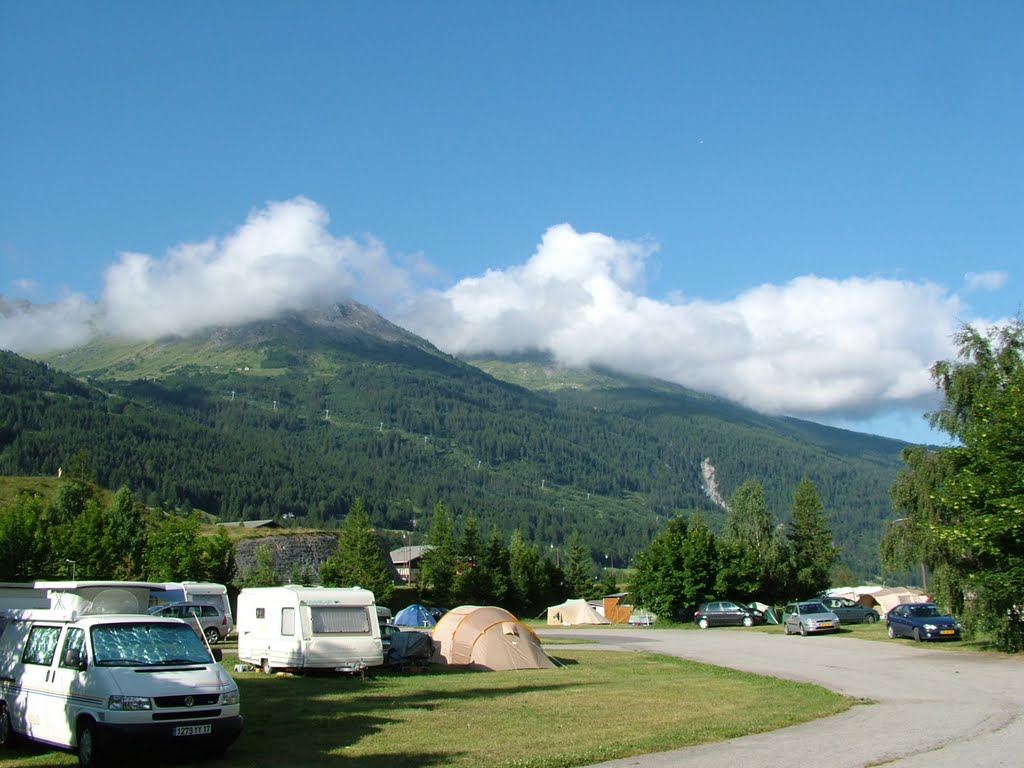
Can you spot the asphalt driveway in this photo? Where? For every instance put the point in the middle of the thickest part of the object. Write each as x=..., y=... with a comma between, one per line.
x=934, y=708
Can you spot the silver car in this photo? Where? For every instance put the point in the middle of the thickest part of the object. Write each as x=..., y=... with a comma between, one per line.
x=204, y=619
x=809, y=617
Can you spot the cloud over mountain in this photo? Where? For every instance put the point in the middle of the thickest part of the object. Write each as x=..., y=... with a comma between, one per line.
x=813, y=346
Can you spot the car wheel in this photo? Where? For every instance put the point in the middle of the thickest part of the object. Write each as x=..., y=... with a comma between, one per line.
x=265, y=666
x=917, y=634
x=871, y=618
x=703, y=623
x=7, y=736
x=90, y=754
x=748, y=621
x=891, y=631
x=803, y=629
x=212, y=635
x=785, y=628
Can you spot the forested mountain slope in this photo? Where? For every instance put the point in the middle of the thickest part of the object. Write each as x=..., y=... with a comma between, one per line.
x=300, y=416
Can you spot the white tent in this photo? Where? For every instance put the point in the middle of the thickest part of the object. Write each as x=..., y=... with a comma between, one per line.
x=574, y=612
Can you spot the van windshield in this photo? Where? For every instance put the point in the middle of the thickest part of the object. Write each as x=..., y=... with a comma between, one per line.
x=144, y=644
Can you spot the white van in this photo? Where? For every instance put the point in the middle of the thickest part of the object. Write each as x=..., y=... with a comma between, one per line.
x=99, y=684
x=297, y=628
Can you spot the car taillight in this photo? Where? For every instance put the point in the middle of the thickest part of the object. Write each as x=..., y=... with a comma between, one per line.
x=223, y=621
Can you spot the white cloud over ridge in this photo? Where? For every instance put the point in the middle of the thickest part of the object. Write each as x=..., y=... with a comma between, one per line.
x=815, y=347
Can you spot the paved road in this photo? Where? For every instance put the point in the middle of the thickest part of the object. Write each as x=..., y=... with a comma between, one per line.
x=934, y=708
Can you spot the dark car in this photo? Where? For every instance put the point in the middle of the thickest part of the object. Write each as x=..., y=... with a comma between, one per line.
x=721, y=613
x=849, y=611
x=387, y=631
x=922, y=621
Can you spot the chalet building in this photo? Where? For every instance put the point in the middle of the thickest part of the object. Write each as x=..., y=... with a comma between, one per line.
x=408, y=560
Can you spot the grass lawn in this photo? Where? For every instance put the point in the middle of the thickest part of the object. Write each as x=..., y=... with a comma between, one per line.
x=598, y=706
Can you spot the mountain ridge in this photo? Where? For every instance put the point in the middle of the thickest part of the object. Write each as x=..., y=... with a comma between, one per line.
x=302, y=414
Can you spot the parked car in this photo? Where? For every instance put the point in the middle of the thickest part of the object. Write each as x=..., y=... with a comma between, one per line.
x=386, y=631
x=922, y=621
x=211, y=622
x=849, y=611
x=809, y=617
x=725, y=613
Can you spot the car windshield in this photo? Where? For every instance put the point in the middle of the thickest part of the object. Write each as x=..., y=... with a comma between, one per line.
x=925, y=611
x=147, y=644
x=813, y=608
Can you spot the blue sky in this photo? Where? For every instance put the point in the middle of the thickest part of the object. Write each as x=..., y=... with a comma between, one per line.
x=791, y=205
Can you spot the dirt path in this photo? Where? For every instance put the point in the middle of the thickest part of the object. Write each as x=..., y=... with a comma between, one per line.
x=934, y=708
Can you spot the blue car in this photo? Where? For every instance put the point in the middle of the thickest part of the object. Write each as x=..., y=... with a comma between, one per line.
x=922, y=621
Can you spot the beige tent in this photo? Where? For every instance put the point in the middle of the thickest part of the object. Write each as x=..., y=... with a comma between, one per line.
x=882, y=599
x=574, y=612
x=489, y=638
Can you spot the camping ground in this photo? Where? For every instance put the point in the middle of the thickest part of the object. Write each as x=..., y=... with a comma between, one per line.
x=574, y=714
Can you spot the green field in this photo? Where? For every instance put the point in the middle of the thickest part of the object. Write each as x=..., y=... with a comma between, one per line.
x=595, y=706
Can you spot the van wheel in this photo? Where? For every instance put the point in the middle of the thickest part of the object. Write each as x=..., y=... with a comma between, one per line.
x=7, y=735
x=90, y=754
x=212, y=635
x=265, y=666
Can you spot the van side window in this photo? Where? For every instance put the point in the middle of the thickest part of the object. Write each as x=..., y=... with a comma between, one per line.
x=261, y=613
x=41, y=645
x=288, y=621
x=73, y=641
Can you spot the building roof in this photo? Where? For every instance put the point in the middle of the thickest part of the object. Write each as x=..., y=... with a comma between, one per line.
x=404, y=555
x=252, y=524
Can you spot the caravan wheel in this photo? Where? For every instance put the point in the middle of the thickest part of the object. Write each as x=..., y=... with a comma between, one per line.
x=265, y=666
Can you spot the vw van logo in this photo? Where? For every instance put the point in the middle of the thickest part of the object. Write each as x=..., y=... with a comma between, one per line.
x=190, y=701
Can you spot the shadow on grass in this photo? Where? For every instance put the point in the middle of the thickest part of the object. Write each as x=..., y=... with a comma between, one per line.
x=312, y=721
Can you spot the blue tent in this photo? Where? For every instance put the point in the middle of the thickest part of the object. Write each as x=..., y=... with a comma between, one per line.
x=414, y=615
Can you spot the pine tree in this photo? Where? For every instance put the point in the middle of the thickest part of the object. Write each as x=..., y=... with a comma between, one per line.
x=810, y=541
x=358, y=561
x=579, y=568
x=441, y=561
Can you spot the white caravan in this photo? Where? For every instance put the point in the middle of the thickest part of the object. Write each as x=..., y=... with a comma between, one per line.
x=102, y=683
x=308, y=628
x=201, y=592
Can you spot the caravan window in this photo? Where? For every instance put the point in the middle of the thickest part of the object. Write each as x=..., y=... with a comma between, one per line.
x=336, y=620
x=288, y=621
x=41, y=645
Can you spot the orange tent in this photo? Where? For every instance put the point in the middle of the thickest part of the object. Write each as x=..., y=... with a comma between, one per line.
x=488, y=638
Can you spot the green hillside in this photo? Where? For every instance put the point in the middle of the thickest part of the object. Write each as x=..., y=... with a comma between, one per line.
x=296, y=418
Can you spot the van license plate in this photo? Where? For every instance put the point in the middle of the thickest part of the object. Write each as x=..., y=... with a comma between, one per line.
x=193, y=730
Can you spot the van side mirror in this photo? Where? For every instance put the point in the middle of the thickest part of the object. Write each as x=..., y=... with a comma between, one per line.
x=73, y=658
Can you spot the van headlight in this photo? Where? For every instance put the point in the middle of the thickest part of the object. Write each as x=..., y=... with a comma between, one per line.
x=129, y=703
x=231, y=697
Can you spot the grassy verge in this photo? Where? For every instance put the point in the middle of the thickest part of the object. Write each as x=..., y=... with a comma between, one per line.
x=597, y=706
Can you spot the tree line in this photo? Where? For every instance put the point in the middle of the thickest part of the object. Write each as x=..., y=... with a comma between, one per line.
x=755, y=558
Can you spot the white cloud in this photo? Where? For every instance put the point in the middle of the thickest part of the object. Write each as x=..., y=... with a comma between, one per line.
x=281, y=258
x=45, y=327
x=815, y=347
x=809, y=347
x=985, y=281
